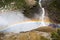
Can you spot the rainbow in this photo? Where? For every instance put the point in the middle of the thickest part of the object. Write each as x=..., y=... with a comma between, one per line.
x=23, y=26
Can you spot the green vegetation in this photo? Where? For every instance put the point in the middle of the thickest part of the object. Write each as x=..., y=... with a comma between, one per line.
x=56, y=35
x=13, y=4
x=33, y=35
x=24, y=5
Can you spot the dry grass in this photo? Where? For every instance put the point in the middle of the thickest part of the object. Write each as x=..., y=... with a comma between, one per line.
x=31, y=35
x=46, y=29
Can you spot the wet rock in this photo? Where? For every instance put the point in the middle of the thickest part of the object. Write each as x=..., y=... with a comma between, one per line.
x=53, y=9
x=30, y=12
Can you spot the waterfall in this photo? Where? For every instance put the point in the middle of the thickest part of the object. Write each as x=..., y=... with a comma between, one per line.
x=42, y=17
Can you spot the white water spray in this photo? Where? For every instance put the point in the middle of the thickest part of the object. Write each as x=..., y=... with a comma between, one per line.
x=12, y=20
x=42, y=17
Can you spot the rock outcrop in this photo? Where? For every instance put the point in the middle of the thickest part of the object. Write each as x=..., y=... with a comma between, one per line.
x=53, y=9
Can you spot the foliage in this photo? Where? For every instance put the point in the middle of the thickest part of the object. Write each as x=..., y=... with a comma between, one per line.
x=16, y=4
x=55, y=35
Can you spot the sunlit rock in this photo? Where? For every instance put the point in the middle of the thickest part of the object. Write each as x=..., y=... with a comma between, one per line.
x=30, y=2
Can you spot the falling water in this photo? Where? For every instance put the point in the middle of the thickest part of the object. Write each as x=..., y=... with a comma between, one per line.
x=42, y=17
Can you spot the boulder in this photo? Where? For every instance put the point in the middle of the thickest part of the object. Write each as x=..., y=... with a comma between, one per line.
x=30, y=2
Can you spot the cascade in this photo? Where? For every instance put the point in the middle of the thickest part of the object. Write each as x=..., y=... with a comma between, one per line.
x=42, y=17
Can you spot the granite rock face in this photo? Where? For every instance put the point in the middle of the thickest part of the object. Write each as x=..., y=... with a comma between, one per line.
x=33, y=9
x=53, y=9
